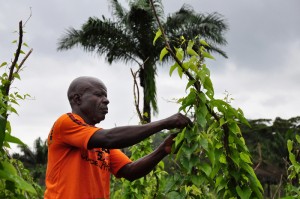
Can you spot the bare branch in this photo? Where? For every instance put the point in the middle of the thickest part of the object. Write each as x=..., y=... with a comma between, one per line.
x=15, y=61
x=136, y=94
x=23, y=61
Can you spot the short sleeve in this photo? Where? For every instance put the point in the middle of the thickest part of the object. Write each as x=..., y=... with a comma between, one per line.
x=75, y=132
x=117, y=160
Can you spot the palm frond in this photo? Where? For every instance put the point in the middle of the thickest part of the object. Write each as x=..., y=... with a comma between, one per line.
x=189, y=24
x=69, y=40
x=118, y=10
x=213, y=48
x=129, y=38
x=103, y=37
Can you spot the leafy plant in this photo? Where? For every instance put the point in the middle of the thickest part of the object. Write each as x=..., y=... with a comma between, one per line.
x=212, y=156
x=15, y=180
x=293, y=188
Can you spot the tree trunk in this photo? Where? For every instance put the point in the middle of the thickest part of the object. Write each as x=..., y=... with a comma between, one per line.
x=146, y=103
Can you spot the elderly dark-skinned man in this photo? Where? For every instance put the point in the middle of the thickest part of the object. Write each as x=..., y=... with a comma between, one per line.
x=81, y=156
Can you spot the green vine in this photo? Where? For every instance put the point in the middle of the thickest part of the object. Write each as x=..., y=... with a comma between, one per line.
x=15, y=180
x=212, y=155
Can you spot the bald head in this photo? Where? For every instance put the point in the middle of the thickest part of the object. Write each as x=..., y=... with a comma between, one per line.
x=83, y=84
x=88, y=99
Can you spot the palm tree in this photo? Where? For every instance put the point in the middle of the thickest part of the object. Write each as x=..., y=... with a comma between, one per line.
x=129, y=38
x=35, y=160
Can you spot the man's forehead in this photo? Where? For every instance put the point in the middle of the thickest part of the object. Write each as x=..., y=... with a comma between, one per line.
x=97, y=86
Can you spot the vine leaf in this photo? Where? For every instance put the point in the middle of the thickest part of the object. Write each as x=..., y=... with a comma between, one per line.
x=157, y=35
x=163, y=52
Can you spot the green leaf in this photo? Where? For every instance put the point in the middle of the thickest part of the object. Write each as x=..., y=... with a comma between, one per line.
x=25, y=44
x=247, y=168
x=298, y=138
x=235, y=157
x=197, y=180
x=172, y=68
x=163, y=52
x=12, y=139
x=3, y=64
x=209, y=87
x=234, y=128
x=189, y=84
x=16, y=75
x=203, y=42
x=205, y=54
x=220, y=183
x=255, y=185
x=222, y=159
x=180, y=72
x=2, y=130
x=8, y=172
x=244, y=194
x=189, y=149
x=204, y=143
x=290, y=145
x=190, y=50
x=206, y=168
x=215, y=171
x=180, y=137
x=201, y=116
x=179, y=53
x=211, y=156
x=157, y=35
x=245, y=157
x=202, y=97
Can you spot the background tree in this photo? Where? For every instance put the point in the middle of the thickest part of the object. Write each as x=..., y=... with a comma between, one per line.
x=129, y=38
x=34, y=160
x=266, y=140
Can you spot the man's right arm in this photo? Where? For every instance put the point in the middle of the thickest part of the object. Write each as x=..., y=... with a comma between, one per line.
x=124, y=136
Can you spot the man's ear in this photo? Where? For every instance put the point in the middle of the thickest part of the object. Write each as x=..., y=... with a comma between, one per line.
x=77, y=99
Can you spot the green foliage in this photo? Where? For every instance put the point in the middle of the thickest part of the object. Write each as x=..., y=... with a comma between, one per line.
x=213, y=157
x=35, y=160
x=15, y=180
x=293, y=188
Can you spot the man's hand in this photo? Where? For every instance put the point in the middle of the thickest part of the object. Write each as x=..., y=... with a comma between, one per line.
x=178, y=120
x=166, y=145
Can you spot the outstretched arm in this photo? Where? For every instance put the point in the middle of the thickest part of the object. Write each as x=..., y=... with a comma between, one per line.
x=121, y=137
x=144, y=165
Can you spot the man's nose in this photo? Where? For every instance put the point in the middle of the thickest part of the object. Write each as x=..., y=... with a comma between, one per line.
x=106, y=101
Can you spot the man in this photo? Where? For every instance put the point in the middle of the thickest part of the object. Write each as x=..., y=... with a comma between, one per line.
x=82, y=156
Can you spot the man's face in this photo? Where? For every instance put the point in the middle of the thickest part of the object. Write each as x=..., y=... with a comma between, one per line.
x=94, y=103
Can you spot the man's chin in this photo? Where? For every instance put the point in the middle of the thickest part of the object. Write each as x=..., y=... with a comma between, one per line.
x=101, y=118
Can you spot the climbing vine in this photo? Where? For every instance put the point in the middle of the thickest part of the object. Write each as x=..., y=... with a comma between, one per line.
x=212, y=155
x=15, y=180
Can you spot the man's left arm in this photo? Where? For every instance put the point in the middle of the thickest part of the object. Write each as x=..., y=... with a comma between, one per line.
x=144, y=165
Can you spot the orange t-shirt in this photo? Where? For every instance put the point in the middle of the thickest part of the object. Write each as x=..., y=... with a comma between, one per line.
x=73, y=171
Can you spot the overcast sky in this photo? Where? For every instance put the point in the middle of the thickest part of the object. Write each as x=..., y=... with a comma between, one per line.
x=262, y=72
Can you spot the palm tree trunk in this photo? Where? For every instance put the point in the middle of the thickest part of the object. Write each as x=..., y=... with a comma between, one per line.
x=146, y=102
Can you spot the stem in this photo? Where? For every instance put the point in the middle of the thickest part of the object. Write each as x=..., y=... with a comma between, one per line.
x=197, y=86
x=136, y=97
x=14, y=63
x=168, y=47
